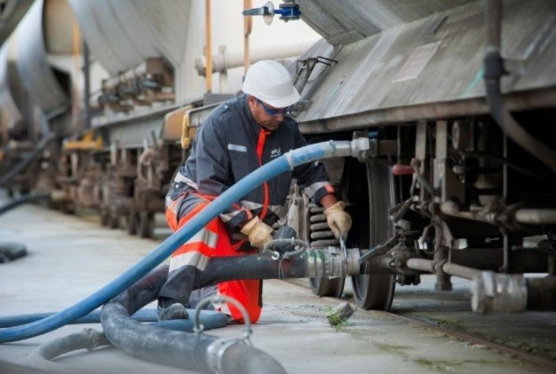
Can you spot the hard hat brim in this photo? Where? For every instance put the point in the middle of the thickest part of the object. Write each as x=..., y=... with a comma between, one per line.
x=277, y=102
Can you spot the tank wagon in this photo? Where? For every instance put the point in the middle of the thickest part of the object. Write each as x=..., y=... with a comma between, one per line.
x=457, y=98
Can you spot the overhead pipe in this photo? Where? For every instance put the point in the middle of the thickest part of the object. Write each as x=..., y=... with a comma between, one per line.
x=288, y=161
x=493, y=71
x=230, y=60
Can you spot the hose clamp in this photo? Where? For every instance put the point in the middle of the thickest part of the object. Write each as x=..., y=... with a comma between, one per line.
x=217, y=350
x=198, y=328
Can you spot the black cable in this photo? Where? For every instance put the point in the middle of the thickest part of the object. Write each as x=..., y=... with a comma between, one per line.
x=27, y=160
x=23, y=200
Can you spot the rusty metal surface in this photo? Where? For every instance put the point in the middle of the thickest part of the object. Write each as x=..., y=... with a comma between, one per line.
x=35, y=72
x=432, y=68
x=122, y=34
x=344, y=22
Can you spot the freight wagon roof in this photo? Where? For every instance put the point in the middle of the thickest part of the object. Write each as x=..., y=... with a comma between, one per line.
x=432, y=68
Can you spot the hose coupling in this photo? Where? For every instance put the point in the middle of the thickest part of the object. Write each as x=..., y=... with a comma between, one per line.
x=498, y=293
x=361, y=148
x=332, y=262
x=217, y=350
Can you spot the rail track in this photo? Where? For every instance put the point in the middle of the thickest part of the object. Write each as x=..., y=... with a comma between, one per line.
x=460, y=335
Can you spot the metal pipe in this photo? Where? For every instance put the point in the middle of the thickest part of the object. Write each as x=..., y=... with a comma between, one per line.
x=230, y=60
x=536, y=216
x=448, y=268
x=459, y=271
x=420, y=264
x=247, y=28
x=76, y=54
x=493, y=71
x=451, y=208
x=87, y=86
x=208, y=47
x=441, y=253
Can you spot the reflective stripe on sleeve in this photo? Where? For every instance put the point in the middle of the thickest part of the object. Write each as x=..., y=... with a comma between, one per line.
x=313, y=188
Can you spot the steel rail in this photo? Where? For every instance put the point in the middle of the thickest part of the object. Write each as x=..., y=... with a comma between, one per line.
x=500, y=348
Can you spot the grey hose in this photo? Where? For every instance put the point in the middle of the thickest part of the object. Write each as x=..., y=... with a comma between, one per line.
x=42, y=356
x=197, y=352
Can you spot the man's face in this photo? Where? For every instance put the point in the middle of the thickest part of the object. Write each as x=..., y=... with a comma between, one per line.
x=265, y=115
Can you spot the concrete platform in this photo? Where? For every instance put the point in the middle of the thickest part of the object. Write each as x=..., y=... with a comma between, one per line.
x=71, y=257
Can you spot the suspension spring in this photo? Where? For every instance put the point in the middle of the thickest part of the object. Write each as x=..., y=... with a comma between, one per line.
x=319, y=233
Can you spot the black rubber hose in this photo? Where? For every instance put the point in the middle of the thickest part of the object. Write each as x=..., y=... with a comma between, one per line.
x=493, y=71
x=28, y=158
x=42, y=356
x=24, y=200
x=178, y=349
x=89, y=339
x=259, y=266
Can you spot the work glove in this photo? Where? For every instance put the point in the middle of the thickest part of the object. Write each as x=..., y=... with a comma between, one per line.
x=258, y=232
x=338, y=220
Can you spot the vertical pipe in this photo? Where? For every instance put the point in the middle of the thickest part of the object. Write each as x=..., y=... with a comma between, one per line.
x=87, y=87
x=208, y=52
x=443, y=282
x=247, y=27
x=77, y=69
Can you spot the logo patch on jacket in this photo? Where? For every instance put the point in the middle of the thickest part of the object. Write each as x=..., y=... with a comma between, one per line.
x=275, y=153
x=237, y=148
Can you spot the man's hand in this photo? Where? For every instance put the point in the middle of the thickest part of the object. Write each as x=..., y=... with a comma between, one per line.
x=338, y=220
x=258, y=232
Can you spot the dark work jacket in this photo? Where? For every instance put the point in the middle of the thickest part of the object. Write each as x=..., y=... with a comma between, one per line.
x=229, y=146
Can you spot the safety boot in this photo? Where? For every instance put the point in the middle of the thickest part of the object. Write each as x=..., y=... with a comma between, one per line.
x=170, y=309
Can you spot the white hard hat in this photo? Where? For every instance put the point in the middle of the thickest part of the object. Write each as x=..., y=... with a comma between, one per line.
x=270, y=82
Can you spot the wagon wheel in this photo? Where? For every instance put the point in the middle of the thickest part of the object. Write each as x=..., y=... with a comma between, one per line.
x=328, y=286
x=374, y=200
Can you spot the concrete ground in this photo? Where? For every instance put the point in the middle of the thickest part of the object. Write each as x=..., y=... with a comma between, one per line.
x=71, y=257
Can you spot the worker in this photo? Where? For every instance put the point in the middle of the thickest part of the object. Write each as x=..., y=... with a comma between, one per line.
x=239, y=136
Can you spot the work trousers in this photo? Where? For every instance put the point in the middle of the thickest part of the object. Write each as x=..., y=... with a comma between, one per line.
x=191, y=259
